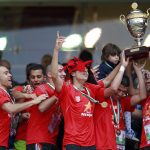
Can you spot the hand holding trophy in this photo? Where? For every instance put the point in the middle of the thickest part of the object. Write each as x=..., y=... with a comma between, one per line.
x=136, y=22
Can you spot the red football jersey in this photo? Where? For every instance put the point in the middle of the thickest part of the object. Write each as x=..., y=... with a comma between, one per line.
x=21, y=130
x=78, y=114
x=145, y=141
x=5, y=119
x=104, y=124
x=43, y=126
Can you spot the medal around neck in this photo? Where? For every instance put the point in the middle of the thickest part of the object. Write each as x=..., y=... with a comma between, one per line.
x=104, y=104
x=136, y=22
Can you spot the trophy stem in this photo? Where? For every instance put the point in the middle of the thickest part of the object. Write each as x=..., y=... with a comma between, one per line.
x=138, y=41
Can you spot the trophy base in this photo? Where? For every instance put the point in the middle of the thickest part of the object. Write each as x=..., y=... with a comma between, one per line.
x=137, y=53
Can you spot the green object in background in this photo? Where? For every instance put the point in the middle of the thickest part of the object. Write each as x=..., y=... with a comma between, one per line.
x=20, y=145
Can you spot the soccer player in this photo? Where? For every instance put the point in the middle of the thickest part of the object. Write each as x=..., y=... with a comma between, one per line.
x=7, y=106
x=77, y=100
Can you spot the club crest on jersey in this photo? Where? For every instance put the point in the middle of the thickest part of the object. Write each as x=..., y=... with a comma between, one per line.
x=77, y=98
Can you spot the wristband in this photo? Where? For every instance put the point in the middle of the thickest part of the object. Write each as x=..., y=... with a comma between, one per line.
x=122, y=68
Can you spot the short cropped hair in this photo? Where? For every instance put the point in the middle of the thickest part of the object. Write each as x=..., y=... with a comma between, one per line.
x=34, y=66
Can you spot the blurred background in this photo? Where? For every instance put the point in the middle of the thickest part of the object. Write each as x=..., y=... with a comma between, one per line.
x=28, y=29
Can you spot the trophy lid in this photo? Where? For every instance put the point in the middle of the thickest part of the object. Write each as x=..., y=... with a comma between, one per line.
x=136, y=13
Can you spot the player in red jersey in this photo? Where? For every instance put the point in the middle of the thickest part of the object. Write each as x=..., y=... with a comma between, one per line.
x=77, y=100
x=45, y=118
x=7, y=106
x=109, y=121
x=35, y=75
x=145, y=137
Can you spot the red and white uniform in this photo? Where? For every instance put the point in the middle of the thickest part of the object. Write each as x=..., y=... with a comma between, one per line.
x=104, y=125
x=43, y=126
x=78, y=114
x=145, y=137
x=5, y=119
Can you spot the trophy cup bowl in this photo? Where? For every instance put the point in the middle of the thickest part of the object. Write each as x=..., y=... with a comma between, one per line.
x=136, y=22
x=137, y=27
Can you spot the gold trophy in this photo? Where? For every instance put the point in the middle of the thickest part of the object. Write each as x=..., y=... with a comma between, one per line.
x=136, y=22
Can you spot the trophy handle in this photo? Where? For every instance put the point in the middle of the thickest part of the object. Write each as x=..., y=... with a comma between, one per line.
x=122, y=18
x=148, y=12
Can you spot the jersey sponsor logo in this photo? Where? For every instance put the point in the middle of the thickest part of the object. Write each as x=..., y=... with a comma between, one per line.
x=87, y=114
x=88, y=107
x=87, y=110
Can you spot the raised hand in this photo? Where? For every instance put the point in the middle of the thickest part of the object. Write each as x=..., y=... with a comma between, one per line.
x=59, y=41
x=138, y=66
x=95, y=71
x=124, y=61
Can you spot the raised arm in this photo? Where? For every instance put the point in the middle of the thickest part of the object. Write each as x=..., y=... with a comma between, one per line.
x=58, y=82
x=107, y=81
x=117, y=80
x=142, y=89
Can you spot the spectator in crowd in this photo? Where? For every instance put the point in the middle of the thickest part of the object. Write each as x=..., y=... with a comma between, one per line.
x=85, y=55
x=46, y=60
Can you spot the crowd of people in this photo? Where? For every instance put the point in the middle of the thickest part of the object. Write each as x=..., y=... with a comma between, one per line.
x=73, y=106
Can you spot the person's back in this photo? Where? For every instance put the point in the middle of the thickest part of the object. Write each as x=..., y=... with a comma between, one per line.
x=46, y=60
